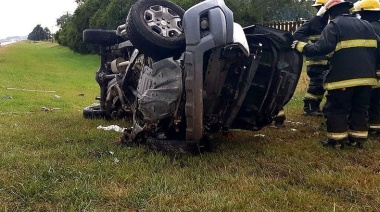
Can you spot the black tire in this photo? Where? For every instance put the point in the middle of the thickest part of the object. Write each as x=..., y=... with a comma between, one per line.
x=94, y=112
x=101, y=37
x=147, y=39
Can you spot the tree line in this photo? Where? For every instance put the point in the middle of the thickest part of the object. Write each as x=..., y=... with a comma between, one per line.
x=40, y=33
x=108, y=14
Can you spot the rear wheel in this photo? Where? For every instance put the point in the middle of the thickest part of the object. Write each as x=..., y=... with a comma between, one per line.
x=94, y=112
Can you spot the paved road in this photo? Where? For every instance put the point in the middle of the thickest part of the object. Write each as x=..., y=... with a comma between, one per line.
x=6, y=43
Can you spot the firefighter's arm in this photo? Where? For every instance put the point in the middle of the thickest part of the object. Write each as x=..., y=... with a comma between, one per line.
x=302, y=32
x=325, y=45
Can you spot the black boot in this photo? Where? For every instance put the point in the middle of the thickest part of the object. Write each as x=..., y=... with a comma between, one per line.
x=336, y=144
x=374, y=128
x=356, y=142
x=311, y=108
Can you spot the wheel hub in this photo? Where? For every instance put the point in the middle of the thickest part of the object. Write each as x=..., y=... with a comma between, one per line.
x=163, y=21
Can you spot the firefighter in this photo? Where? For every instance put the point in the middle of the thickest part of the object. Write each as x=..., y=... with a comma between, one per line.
x=369, y=10
x=352, y=44
x=316, y=65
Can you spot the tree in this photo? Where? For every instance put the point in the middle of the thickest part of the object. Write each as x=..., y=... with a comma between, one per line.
x=112, y=15
x=64, y=19
x=80, y=2
x=38, y=34
x=48, y=33
x=281, y=10
x=71, y=33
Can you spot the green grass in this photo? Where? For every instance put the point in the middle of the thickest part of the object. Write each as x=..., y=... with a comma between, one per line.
x=58, y=161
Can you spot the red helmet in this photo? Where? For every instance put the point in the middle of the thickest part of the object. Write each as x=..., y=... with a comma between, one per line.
x=332, y=3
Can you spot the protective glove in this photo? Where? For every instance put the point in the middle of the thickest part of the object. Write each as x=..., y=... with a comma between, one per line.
x=298, y=45
x=321, y=11
x=294, y=44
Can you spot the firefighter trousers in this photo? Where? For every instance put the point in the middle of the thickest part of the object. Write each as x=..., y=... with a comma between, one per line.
x=374, y=110
x=315, y=90
x=346, y=112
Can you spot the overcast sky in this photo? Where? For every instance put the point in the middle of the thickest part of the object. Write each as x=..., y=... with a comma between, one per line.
x=19, y=17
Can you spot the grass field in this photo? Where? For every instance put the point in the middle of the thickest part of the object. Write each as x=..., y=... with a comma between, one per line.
x=58, y=161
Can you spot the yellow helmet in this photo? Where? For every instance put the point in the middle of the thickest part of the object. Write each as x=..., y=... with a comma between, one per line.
x=367, y=5
x=319, y=3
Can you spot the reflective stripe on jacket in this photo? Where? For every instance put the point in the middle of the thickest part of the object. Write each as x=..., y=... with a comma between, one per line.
x=352, y=44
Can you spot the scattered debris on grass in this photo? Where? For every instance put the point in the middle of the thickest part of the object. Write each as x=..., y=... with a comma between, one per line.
x=6, y=97
x=57, y=96
x=50, y=109
x=295, y=122
x=81, y=94
x=293, y=130
x=98, y=154
x=112, y=127
x=115, y=160
x=259, y=135
x=44, y=109
x=31, y=90
x=15, y=113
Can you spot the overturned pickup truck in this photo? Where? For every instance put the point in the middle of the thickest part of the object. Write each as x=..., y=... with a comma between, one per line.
x=182, y=75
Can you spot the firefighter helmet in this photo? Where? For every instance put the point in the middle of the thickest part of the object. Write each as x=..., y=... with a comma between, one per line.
x=332, y=3
x=319, y=3
x=367, y=5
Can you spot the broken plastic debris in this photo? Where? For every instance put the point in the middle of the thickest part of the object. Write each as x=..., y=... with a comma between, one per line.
x=115, y=160
x=6, y=97
x=57, y=96
x=49, y=109
x=111, y=152
x=293, y=130
x=296, y=122
x=259, y=135
x=31, y=90
x=112, y=127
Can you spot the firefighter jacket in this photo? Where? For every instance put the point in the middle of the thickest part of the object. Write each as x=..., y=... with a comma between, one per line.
x=352, y=45
x=376, y=26
x=310, y=32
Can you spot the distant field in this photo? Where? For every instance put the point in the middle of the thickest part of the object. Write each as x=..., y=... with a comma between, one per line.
x=58, y=161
